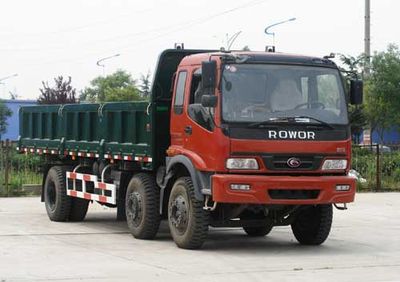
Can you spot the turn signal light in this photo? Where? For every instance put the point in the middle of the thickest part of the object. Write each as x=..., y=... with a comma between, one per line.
x=342, y=187
x=241, y=187
x=334, y=164
x=241, y=163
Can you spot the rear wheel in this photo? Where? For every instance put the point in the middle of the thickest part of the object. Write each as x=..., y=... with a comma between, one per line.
x=313, y=224
x=188, y=222
x=257, y=231
x=141, y=206
x=58, y=204
x=79, y=208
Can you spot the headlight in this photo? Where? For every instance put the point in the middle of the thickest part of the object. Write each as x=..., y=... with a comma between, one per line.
x=241, y=163
x=334, y=164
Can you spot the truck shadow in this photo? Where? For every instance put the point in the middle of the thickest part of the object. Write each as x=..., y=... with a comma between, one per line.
x=279, y=241
x=235, y=239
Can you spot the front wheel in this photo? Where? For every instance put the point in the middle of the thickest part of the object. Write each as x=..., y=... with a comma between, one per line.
x=187, y=220
x=313, y=224
x=141, y=206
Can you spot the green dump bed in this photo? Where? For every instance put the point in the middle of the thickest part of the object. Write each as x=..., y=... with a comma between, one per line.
x=103, y=131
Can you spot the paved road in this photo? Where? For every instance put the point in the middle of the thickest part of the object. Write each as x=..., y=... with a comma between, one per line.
x=364, y=245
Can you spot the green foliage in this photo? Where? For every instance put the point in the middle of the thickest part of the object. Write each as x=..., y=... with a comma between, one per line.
x=24, y=169
x=18, y=179
x=351, y=68
x=118, y=86
x=5, y=112
x=396, y=174
x=364, y=161
x=61, y=93
x=382, y=92
x=145, y=85
x=358, y=121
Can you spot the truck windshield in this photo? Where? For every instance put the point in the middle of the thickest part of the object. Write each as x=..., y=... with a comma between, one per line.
x=259, y=93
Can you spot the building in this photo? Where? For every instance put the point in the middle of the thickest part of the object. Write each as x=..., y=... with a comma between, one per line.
x=390, y=136
x=12, y=131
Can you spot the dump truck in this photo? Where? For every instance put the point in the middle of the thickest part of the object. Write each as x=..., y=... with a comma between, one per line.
x=239, y=139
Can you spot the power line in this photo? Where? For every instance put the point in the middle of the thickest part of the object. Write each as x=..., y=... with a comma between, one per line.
x=85, y=26
x=168, y=30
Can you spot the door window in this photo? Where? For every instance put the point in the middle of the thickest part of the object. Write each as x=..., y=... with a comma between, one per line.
x=180, y=92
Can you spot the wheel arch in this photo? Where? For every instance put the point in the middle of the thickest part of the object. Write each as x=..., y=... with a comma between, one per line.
x=179, y=166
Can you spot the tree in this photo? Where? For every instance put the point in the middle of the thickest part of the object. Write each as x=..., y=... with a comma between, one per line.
x=145, y=85
x=61, y=93
x=13, y=95
x=352, y=68
x=383, y=90
x=5, y=112
x=118, y=86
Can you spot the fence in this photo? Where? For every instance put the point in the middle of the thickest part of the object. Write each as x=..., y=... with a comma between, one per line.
x=16, y=170
x=378, y=166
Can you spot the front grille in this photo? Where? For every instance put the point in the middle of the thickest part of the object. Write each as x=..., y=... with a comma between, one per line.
x=279, y=162
x=291, y=194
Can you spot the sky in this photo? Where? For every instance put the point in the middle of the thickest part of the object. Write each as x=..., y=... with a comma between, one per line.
x=43, y=39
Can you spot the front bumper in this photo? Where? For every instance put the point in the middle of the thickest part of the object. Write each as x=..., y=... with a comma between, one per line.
x=282, y=189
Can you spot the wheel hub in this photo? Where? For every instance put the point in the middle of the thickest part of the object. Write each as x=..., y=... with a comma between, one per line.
x=179, y=213
x=51, y=196
x=135, y=207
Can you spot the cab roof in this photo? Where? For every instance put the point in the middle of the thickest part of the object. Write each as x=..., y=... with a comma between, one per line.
x=260, y=57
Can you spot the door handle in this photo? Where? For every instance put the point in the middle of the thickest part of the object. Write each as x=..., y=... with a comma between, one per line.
x=188, y=129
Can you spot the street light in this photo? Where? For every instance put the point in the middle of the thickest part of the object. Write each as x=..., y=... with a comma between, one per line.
x=275, y=24
x=7, y=77
x=229, y=41
x=103, y=59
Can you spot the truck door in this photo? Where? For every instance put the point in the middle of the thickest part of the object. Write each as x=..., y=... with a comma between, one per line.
x=198, y=127
x=177, y=122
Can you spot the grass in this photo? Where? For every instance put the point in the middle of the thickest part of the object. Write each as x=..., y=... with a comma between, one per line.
x=17, y=180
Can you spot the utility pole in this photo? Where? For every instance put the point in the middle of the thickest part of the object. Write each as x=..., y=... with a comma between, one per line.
x=5, y=162
x=367, y=38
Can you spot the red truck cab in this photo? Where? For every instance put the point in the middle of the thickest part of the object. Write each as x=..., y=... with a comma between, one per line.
x=266, y=135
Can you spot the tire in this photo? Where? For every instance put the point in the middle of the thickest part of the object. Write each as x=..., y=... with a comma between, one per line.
x=58, y=204
x=257, y=231
x=121, y=209
x=188, y=222
x=79, y=208
x=313, y=224
x=142, y=206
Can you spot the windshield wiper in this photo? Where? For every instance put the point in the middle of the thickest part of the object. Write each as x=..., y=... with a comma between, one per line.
x=291, y=120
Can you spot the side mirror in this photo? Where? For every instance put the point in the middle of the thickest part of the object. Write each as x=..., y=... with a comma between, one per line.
x=208, y=76
x=209, y=101
x=356, y=92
